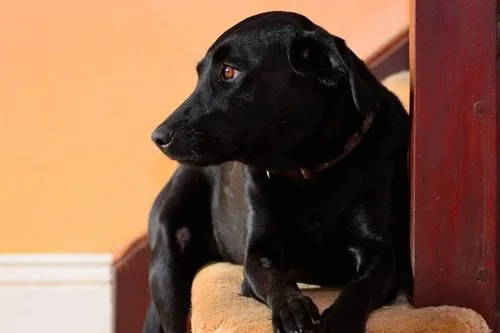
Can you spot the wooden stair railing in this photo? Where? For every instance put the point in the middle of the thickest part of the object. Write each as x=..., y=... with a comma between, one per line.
x=454, y=153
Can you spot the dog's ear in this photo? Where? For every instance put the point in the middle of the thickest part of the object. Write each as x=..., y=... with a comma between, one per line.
x=308, y=55
x=328, y=58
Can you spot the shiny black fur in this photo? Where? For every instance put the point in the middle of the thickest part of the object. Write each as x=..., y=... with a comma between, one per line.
x=300, y=95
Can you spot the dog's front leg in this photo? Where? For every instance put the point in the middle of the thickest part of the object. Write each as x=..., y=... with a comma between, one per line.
x=179, y=236
x=369, y=289
x=291, y=311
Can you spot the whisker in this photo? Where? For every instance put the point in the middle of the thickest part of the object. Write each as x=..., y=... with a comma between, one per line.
x=194, y=153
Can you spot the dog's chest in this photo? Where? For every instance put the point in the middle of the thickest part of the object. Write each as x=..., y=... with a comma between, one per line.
x=315, y=248
x=313, y=232
x=317, y=227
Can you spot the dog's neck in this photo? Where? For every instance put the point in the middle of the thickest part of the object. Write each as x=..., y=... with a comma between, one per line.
x=352, y=142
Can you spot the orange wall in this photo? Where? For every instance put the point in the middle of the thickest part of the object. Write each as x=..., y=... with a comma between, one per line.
x=82, y=85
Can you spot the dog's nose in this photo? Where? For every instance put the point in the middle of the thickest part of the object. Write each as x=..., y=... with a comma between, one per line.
x=161, y=138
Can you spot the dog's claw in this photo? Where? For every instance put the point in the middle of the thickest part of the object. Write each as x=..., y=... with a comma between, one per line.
x=298, y=315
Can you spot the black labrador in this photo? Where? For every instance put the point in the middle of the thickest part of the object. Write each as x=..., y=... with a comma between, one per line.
x=293, y=163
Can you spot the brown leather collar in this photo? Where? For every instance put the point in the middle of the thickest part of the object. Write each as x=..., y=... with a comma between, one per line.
x=353, y=142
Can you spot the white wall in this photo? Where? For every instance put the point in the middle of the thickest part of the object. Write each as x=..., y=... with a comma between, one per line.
x=56, y=293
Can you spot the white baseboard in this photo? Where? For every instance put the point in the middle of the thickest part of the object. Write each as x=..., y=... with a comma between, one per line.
x=56, y=293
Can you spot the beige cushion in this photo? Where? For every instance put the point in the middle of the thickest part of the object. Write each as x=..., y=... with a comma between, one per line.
x=218, y=307
x=399, y=84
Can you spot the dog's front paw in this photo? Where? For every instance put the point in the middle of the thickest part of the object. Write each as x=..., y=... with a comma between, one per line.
x=333, y=321
x=297, y=314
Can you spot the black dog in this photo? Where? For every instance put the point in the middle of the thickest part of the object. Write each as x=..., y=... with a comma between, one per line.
x=293, y=163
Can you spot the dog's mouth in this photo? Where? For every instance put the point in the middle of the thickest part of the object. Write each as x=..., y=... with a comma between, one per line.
x=201, y=149
x=200, y=154
x=201, y=160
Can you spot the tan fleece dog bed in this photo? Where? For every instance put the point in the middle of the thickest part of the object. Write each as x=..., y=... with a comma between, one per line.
x=217, y=306
x=399, y=84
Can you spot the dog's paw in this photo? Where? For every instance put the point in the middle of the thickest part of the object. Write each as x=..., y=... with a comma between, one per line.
x=333, y=321
x=296, y=315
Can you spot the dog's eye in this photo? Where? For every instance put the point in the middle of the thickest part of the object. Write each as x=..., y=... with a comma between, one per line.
x=228, y=73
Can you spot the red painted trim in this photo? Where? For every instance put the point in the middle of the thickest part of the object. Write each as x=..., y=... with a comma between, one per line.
x=498, y=172
x=391, y=58
x=131, y=293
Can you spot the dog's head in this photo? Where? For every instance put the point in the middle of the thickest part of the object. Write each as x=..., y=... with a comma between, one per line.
x=272, y=91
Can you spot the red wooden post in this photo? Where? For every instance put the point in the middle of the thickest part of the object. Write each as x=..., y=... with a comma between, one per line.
x=498, y=105
x=454, y=153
